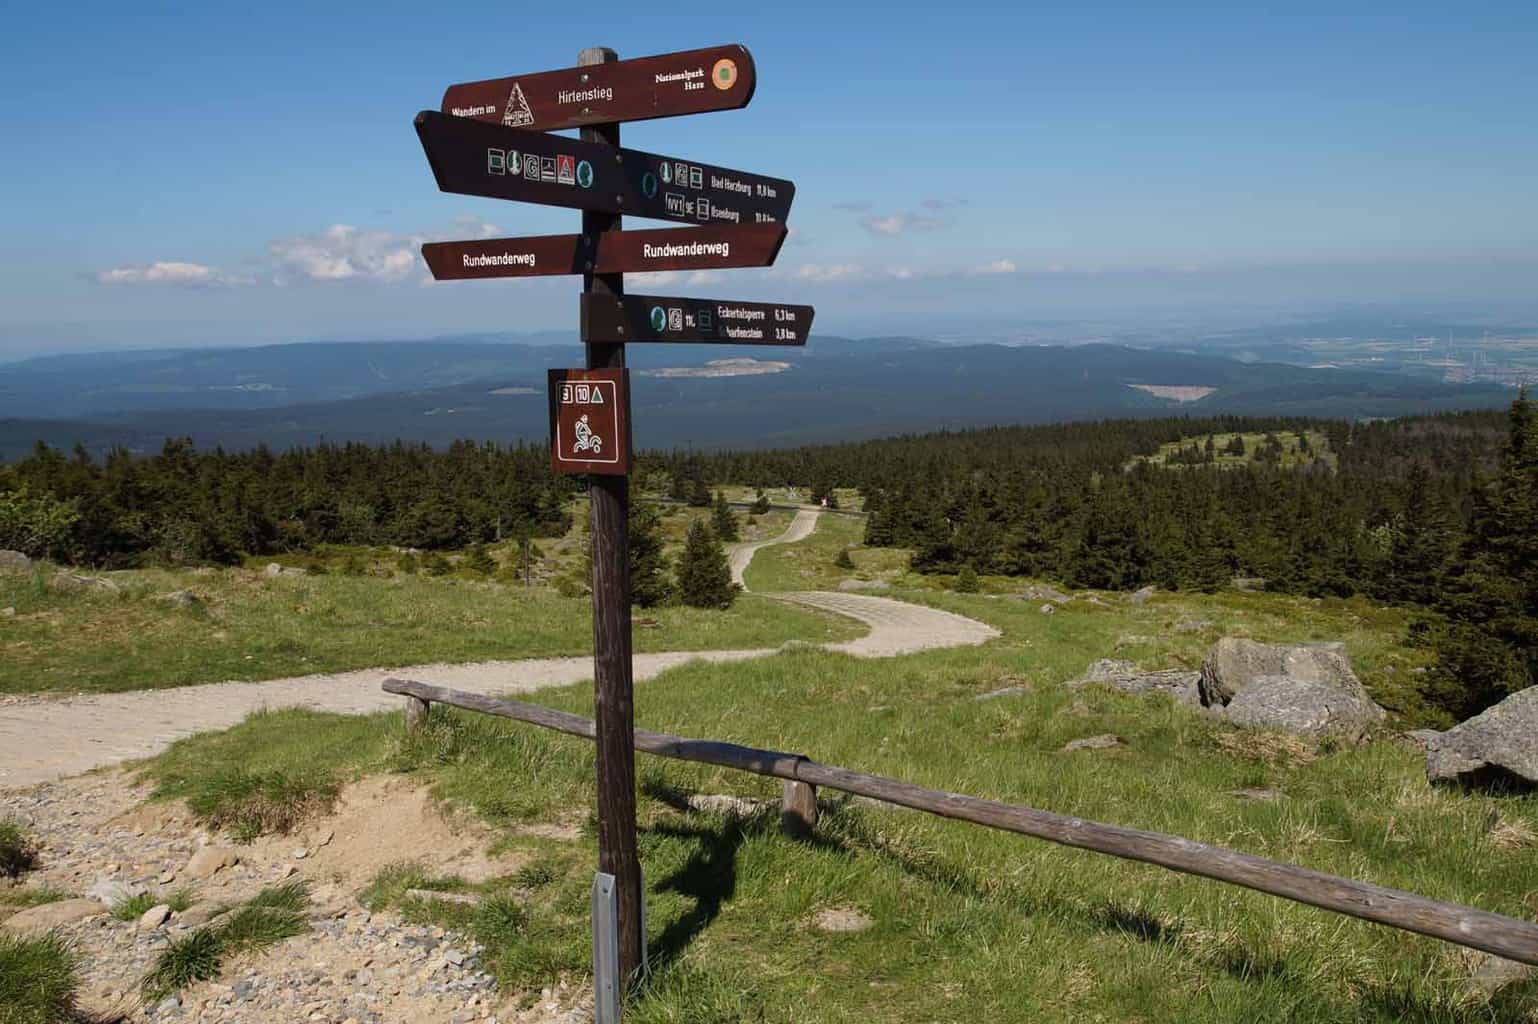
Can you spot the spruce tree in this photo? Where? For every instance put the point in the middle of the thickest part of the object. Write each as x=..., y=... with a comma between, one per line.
x=760, y=503
x=704, y=578
x=649, y=581
x=722, y=520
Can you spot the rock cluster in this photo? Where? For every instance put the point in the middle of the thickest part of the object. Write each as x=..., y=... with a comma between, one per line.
x=1307, y=689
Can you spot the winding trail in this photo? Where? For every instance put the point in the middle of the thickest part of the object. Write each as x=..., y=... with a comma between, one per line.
x=47, y=738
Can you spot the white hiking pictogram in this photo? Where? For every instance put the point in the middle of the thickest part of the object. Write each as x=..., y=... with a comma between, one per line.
x=587, y=441
x=517, y=113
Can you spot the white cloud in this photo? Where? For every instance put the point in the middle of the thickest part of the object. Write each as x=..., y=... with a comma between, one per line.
x=343, y=253
x=898, y=223
x=171, y=272
x=996, y=267
x=819, y=274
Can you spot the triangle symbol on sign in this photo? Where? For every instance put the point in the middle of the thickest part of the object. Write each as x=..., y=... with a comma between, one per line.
x=518, y=113
x=598, y=396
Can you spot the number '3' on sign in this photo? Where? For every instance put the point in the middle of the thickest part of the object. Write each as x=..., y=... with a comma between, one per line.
x=581, y=394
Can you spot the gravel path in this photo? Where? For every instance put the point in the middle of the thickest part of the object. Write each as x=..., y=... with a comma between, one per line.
x=48, y=738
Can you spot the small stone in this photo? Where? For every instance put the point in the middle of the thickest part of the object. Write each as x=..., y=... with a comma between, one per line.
x=15, y=560
x=1493, y=973
x=167, y=877
x=1142, y=596
x=7, y=612
x=200, y=913
x=289, y=871
x=1262, y=795
x=168, y=1004
x=1102, y=742
x=324, y=839
x=111, y=891
x=300, y=853
x=841, y=919
x=1007, y=691
x=454, y=957
x=210, y=860
x=1048, y=609
x=154, y=917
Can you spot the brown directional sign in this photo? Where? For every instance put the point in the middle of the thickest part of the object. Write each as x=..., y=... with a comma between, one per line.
x=690, y=82
x=590, y=421
x=616, y=252
x=477, y=159
x=666, y=318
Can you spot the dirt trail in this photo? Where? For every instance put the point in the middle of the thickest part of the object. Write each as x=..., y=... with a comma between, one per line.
x=46, y=738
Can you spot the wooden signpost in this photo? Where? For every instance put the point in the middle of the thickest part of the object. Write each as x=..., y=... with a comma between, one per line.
x=490, y=140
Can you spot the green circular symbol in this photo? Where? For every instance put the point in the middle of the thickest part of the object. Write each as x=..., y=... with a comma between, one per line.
x=659, y=318
x=585, y=174
x=649, y=184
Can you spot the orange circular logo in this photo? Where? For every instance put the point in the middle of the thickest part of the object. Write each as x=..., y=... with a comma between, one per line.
x=724, y=75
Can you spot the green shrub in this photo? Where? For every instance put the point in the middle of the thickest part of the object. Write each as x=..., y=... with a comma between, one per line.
x=18, y=849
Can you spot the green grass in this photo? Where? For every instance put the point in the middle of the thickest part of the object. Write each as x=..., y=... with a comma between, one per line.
x=132, y=908
x=38, y=979
x=809, y=564
x=14, y=898
x=249, y=627
x=972, y=924
x=18, y=849
x=272, y=915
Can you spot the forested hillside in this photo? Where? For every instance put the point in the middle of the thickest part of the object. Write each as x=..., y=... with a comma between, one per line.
x=1439, y=512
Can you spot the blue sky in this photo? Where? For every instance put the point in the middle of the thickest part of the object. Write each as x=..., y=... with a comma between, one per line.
x=989, y=160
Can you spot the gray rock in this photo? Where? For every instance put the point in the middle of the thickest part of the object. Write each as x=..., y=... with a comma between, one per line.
x=1249, y=584
x=210, y=860
x=1303, y=707
x=1142, y=596
x=1234, y=662
x=154, y=917
x=1042, y=592
x=1048, y=609
x=112, y=891
x=1493, y=973
x=1496, y=749
x=1105, y=742
x=72, y=582
x=1262, y=795
x=1126, y=677
x=200, y=913
x=1422, y=737
x=723, y=803
x=182, y=598
x=168, y=1004
x=847, y=585
x=841, y=919
x=274, y=570
x=51, y=915
x=15, y=560
x=1006, y=691
x=8, y=612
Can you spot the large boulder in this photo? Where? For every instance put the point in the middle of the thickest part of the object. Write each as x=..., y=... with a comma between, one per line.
x=50, y=915
x=15, y=560
x=1304, y=707
x=1128, y=678
x=1496, y=749
x=1234, y=663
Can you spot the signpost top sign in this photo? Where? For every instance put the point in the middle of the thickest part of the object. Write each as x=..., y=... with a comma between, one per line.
x=689, y=82
x=476, y=159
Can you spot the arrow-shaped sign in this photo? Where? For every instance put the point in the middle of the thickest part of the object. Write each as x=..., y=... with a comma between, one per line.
x=666, y=318
x=691, y=82
x=477, y=159
x=615, y=252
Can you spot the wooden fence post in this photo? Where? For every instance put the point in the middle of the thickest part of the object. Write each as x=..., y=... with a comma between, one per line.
x=798, y=809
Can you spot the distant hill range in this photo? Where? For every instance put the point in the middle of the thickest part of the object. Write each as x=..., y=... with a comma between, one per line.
x=834, y=389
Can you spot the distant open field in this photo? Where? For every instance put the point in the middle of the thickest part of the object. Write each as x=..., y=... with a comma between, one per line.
x=1292, y=456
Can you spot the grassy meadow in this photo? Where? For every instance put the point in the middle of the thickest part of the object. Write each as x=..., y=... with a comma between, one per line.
x=1293, y=456
x=359, y=611
x=965, y=924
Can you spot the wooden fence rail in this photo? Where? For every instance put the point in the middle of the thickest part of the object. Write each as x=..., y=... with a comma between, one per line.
x=1451, y=922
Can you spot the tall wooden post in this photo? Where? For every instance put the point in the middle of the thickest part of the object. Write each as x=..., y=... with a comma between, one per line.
x=614, y=709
